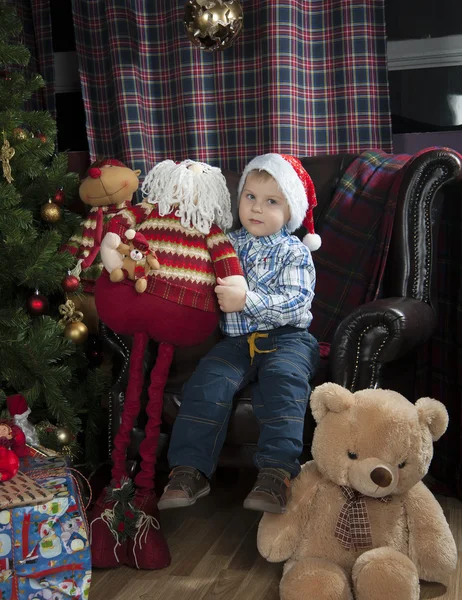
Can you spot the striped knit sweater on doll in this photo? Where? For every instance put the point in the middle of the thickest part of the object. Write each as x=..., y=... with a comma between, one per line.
x=185, y=209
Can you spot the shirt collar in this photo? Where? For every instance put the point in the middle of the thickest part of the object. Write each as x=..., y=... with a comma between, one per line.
x=267, y=240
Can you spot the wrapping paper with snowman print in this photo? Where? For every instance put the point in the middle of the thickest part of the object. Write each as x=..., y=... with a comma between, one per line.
x=44, y=549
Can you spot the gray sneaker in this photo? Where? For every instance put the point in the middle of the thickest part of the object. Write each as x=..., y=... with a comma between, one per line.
x=270, y=492
x=186, y=485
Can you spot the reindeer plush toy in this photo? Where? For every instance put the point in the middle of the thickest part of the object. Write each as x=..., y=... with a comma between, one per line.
x=107, y=188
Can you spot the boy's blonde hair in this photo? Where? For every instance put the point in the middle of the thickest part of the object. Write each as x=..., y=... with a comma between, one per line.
x=261, y=174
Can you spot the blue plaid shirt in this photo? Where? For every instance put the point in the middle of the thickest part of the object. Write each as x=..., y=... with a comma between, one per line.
x=281, y=277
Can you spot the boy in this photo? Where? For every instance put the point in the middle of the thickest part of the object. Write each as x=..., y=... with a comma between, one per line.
x=266, y=342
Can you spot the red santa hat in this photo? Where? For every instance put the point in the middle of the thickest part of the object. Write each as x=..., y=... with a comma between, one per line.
x=297, y=187
x=138, y=240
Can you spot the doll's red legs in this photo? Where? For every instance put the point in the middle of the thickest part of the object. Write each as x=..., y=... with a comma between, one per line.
x=107, y=547
x=149, y=550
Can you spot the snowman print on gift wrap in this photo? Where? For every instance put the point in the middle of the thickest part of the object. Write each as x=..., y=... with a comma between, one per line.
x=5, y=538
x=55, y=508
x=74, y=535
x=46, y=594
x=5, y=520
x=70, y=588
x=86, y=585
x=58, y=485
x=49, y=545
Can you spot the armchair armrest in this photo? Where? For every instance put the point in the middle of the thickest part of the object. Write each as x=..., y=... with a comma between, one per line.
x=376, y=333
x=413, y=252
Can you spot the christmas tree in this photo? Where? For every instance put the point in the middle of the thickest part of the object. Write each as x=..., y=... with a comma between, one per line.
x=42, y=349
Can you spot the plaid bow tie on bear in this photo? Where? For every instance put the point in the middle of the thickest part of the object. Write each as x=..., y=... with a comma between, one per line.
x=353, y=529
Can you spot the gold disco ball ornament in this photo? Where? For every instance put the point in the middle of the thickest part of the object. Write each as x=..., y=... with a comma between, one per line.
x=50, y=212
x=213, y=24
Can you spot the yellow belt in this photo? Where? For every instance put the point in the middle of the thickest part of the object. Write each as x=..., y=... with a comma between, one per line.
x=252, y=346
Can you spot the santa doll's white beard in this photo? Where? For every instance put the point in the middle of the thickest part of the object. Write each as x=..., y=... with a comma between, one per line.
x=196, y=192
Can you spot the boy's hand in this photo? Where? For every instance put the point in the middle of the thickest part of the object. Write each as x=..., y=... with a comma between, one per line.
x=231, y=298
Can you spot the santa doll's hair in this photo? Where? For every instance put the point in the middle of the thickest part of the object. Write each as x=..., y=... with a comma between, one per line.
x=195, y=191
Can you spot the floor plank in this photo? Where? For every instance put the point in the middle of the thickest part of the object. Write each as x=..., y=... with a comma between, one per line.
x=214, y=556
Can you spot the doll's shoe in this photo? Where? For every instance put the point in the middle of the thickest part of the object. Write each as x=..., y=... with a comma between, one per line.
x=106, y=551
x=186, y=485
x=148, y=550
x=270, y=493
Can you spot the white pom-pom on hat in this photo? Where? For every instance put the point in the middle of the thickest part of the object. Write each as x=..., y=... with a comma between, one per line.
x=312, y=241
x=297, y=187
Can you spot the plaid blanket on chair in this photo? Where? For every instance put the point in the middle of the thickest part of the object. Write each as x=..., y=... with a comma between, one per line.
x=356, y=236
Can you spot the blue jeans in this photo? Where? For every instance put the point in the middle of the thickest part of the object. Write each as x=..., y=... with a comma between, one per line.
x=280, y=397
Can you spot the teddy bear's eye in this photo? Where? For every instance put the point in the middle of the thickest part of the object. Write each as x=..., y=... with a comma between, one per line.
x=352, y=455
x=402, y=465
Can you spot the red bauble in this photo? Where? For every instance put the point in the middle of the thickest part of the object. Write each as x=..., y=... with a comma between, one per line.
x=59, y=197
x=70, y=283
x=42, y=137
x=9, y=464
x=37, y=305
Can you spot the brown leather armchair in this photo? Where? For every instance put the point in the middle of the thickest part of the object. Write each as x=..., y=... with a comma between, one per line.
x=373, y=346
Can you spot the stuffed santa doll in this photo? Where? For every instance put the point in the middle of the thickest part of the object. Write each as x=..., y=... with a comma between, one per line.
x=185, y=209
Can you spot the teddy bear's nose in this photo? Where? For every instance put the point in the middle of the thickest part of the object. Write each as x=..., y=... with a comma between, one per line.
x=382, y=477
x=94, y=172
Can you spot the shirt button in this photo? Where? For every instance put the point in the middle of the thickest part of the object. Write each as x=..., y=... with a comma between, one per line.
x=253, y=327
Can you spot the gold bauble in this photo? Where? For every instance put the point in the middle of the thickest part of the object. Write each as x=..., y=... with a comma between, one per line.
x=77, y=332
x=213, y=24
x=85, y=303
x=64, y=436
x=20, y=134
x=50, y=212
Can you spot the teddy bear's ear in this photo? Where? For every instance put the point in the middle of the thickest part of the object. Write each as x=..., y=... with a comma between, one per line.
x=434, y=415
x=330, y=397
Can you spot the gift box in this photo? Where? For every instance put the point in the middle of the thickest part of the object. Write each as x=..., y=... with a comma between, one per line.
x=44, y=548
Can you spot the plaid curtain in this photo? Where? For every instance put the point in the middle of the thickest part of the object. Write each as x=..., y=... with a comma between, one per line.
x=303, y=78
x=35, y=17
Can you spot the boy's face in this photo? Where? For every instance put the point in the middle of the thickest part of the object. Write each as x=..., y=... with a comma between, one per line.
x=263, y=210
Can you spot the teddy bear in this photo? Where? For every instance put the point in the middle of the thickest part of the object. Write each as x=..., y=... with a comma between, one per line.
x=107, y=188
x=360, y=522
x=136, y=258
x=185, y=209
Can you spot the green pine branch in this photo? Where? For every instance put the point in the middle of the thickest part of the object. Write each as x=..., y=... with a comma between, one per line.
x=10, y=25
x=36, y=359
x=13, y=54
x=43, y=267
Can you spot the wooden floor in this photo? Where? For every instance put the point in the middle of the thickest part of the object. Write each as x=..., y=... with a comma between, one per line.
x=214, y=555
